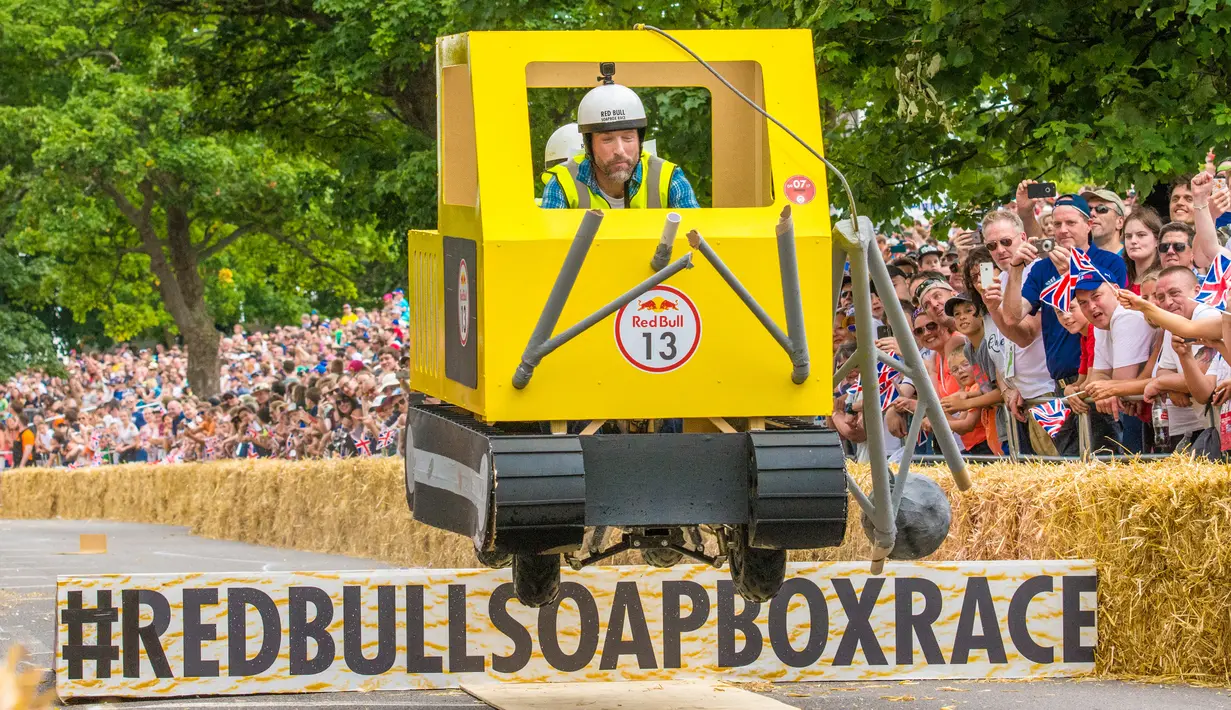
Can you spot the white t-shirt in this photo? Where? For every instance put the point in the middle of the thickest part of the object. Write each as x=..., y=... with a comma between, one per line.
x=1026, y=368
x=1182, y=420
x=1126, y=342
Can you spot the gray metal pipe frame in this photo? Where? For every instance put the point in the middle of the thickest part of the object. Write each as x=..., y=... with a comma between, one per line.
x=545, y=349
x=884, y=525
x=662, y=253
x=560, y=290
x=915, y=368
x=697, y=242
x=899, y=483
x=792, y=301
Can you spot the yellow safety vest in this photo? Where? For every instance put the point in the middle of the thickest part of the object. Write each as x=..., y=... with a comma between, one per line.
x=655, y=184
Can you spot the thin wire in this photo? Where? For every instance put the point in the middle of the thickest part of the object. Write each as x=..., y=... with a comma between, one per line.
x=845, y=185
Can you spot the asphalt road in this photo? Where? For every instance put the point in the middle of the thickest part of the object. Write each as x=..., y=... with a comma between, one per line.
x=32, y=553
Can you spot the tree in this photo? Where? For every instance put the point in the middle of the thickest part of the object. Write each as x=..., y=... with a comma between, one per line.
x=121, y=180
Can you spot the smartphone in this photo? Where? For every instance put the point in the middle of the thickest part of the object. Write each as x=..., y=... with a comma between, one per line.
x=1043, y=246
x=1041, y=190
x=978, y=238
x=985, y=274
x=1220, y=183
x=882, y=331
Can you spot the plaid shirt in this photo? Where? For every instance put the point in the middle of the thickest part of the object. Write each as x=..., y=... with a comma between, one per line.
x=679, y=191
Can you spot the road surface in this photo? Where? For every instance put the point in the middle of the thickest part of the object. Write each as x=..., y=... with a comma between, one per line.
x=32, y=554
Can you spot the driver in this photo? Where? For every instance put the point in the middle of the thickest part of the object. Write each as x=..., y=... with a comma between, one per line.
x=615, y=171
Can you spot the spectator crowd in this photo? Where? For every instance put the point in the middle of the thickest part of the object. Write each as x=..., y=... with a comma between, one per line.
x=1054, y=308
x=1058, y=307
x=328, y=387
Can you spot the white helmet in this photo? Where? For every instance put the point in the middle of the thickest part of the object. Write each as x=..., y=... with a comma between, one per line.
x=651, y=147
x=563, y=144
x=610, y=107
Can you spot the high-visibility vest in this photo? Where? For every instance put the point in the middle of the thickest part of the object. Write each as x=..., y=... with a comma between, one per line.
x=655, y=184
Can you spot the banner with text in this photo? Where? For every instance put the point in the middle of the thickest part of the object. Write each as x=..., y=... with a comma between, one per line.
x=281, y=632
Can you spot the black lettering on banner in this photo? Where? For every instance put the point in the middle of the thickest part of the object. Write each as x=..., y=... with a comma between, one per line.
x=859, y=631
x=674, y=624
x=238, y=601
x=102, y=651
x=417, y=660
x=627, y=602
x=817, y=627
x=459, y=662
x=909, y=624
x=729, y=622
x=135, y=636
x=386, y=630
x=978, y=600
x=300, y=630
x=196, y=632
x=549, y=639
x=523, y=645
x=1019, y=631
x=1074, y=618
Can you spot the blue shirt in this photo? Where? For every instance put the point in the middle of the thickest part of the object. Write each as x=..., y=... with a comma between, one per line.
x=680, y=194
x=1064, y=348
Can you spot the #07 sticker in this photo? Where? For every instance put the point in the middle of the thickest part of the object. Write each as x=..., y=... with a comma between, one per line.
x=799, y=189
x=658, y=331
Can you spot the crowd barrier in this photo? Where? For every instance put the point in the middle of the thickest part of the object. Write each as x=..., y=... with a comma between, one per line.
x=1154, y=529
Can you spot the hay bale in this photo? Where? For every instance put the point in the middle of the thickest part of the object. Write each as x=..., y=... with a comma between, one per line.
x=1157, y=532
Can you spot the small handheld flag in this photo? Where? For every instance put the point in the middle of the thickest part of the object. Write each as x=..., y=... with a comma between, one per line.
x=1051, y=415
x=1214, y=289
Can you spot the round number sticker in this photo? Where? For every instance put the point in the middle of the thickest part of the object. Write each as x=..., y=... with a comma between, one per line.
x=463, y=303
x=659, y=331
x=799, y=189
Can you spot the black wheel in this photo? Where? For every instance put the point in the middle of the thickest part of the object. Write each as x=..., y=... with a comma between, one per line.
x=494, y=559
x=536, y=579
x=756, y=572
x=660, y=557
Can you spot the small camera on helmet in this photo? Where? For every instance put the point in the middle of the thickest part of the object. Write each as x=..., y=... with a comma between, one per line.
x=607, y=71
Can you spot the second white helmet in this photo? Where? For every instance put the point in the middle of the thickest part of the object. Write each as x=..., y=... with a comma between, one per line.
x=563, y=144
x=610, y=107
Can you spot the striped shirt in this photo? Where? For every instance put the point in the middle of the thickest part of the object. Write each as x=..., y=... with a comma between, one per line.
x=680, y=194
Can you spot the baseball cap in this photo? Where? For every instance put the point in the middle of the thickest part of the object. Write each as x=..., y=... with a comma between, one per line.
x=929, y=285
x=390, y=379
x=954, y=300
x=1075, y=201
x=928, y=249
x=354, y=365
x=1090, y=281
x=1106, y=196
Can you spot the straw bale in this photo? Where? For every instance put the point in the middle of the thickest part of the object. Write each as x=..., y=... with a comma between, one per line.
x=1159, y=532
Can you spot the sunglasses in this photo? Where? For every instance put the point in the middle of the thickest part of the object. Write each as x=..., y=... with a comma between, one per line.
x=930, y=327
x=1177, y=247
x=1103, y=209
x=845, y=295
x=1002, y=243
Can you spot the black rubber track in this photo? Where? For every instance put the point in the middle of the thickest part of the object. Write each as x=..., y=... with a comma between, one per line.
x=758, y=573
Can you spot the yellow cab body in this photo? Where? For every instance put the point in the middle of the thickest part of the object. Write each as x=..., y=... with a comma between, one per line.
x=480, y=281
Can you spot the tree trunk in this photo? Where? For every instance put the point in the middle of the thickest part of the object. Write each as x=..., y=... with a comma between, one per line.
x=201, y=341
x=174, y=261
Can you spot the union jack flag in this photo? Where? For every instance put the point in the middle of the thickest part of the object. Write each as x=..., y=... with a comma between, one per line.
x=1051, y=415
x=254, y=430
x=1079, y=263
x=1214, y=289
x=1058, y=294
x=252, y=454
x=386, y=439
x=211, y=446
x=176, y=456
x=886, y=383
x=364, y=445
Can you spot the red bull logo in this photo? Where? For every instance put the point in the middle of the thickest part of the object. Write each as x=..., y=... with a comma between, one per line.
x=657, y=305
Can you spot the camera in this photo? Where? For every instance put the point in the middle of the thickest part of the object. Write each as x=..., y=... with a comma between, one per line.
x=606, y=71
x=1043, y=246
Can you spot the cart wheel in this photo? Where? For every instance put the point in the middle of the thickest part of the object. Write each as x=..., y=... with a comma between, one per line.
x=658, y=557
x=494, y=559
x=757, y=572
x=536, y=579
